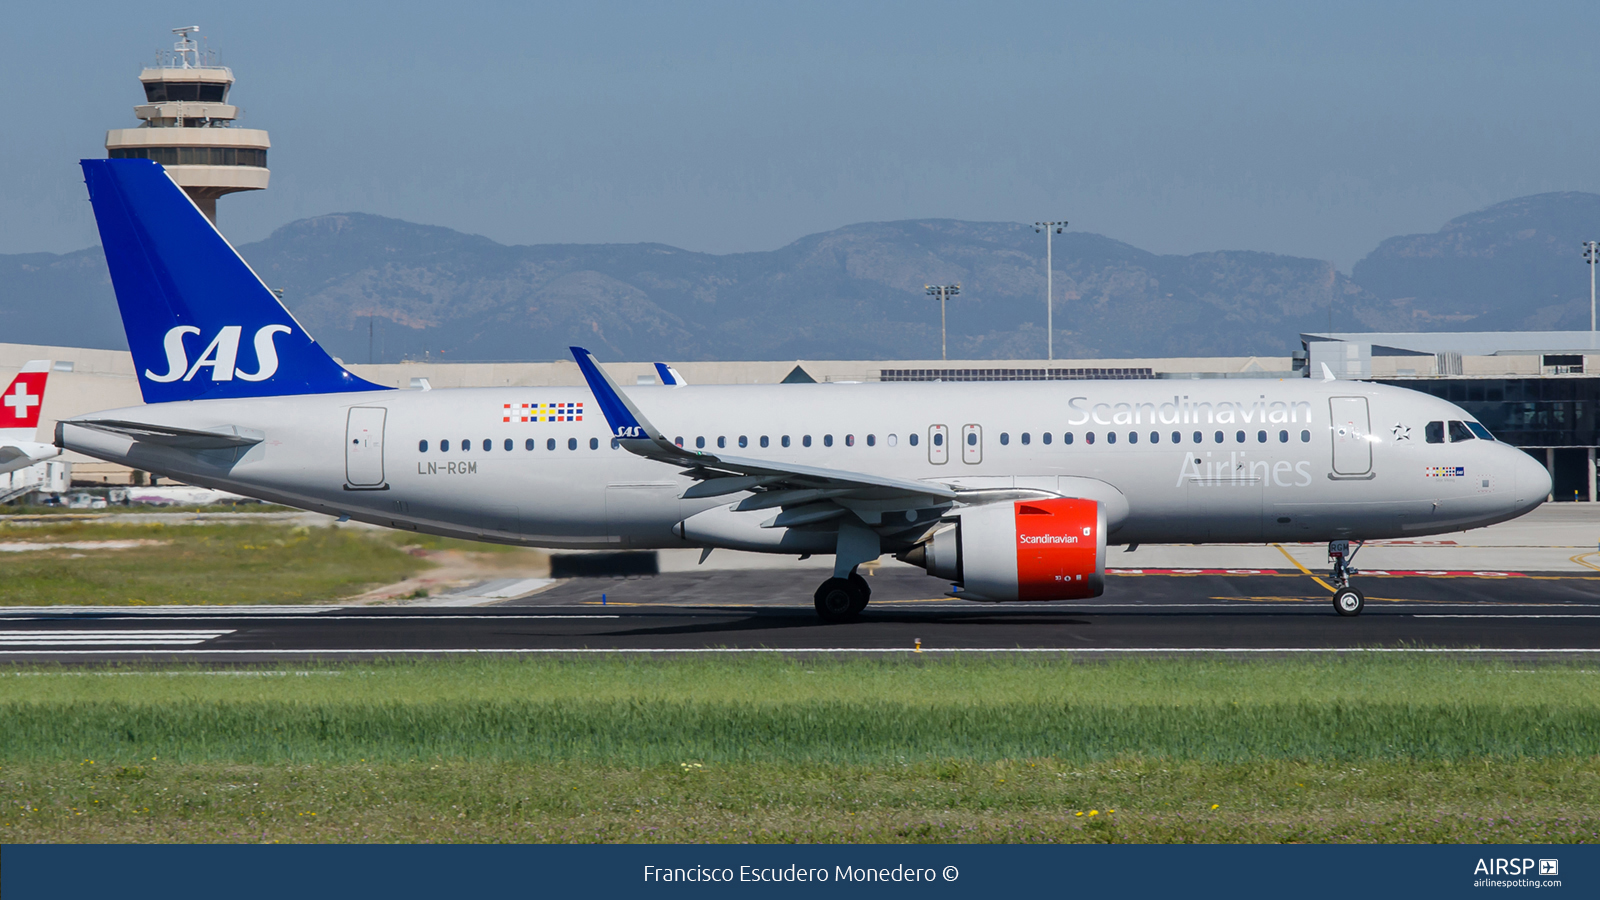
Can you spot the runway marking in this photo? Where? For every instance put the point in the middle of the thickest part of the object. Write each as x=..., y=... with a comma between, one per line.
x=373, y=617
x=906, y=650
x=1506, y=615
x=102, y=637
x=1303, y=569
x=1579, y=559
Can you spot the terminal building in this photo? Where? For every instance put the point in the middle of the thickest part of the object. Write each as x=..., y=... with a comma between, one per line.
x=187, y=125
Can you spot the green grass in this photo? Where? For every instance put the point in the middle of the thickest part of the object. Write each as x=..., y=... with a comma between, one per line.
x=774, y=709
x=1394, y=748
x=195, y=564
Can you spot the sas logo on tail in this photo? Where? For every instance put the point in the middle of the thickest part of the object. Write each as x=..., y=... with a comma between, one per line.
x=220, y=355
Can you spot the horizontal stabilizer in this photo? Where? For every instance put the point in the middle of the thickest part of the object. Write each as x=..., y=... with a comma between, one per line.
x=224, y=437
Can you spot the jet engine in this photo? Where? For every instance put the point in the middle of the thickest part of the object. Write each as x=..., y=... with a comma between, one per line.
x=1025, y=550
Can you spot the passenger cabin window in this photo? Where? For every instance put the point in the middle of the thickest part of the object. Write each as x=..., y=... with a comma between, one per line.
x=1088, y=437
x=722, y=442
x=744, y=440
x=422, y=446
x=678, y=440
x=827, y=440
x=488, y=445
x=1283, y=437
x=1177, y=437
x=805, y=440
x=763, y=440
x=1155, y=437
x=572, y=443
x=1026, y=439
x=912, y=438
x=529, y=444
x=1460, y=432
x=785, y=440
x=1238, y=436
x=1133, y=437
x=1066, y=438
x=1305, y=437
x=510, y=444
x=1045, y=437
x=700, y=443
x=1198, y=437
x=594, y=443
x=872, y=440
x=466, y=445
x=849, y=440
x=444, y=446
x=1434, y=432
x=550, y=444
x=1261, y=437
x=1005, y=438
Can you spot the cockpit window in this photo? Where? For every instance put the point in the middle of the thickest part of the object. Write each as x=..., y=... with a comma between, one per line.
x=1480, y=431
x=1434, y=432
x=1460, y=432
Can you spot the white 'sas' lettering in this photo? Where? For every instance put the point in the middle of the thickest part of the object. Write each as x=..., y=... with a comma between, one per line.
x=220, y=355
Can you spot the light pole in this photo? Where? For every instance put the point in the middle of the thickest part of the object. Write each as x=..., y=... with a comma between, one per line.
x=943, y=292
x=1049, y=295
x=1591, y=253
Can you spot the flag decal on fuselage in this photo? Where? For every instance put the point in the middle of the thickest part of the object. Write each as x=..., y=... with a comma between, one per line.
x=541, y=412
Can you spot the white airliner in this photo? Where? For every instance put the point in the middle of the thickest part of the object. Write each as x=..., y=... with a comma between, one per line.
x=1010, y=491
x=19, y=419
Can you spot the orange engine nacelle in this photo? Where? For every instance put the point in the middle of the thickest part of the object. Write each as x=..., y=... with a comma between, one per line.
x=1026, y=550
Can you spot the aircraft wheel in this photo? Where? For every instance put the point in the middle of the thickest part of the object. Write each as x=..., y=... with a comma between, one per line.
x=1348, y=602
x=837, y=600
x=863, y=589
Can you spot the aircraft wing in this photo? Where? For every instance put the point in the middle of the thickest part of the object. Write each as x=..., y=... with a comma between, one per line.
x=772, y=483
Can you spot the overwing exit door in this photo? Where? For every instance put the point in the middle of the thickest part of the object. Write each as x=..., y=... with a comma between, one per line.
x=972, y=444
x=363, y=447
x=1352, y=436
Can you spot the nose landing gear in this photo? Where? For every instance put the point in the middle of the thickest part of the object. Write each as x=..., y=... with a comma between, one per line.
x=1347, y=601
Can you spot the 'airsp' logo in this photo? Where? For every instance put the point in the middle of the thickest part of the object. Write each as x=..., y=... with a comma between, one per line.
x=219, y=355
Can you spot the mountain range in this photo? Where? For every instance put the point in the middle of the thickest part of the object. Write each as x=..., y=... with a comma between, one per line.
x=385, y=289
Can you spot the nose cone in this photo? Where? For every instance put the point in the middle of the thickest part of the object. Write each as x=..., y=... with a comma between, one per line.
x=1532, y=482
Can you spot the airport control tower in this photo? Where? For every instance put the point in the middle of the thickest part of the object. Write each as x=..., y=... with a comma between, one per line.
x=188, y=127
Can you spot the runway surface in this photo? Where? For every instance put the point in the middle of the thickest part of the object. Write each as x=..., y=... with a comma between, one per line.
x=1147, y=611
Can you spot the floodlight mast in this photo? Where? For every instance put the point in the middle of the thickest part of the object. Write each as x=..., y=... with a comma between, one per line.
x=1049, y=292
x=943, y=292
x=1591, y=254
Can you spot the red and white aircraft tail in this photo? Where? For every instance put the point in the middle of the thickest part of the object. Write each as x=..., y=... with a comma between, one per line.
x=19, y=419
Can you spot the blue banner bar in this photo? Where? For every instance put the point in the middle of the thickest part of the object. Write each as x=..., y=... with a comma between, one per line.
x=307, y=872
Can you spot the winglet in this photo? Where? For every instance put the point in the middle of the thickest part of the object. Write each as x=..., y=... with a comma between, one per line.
x=669, y=375
x=1327, y=374
x=628, y=425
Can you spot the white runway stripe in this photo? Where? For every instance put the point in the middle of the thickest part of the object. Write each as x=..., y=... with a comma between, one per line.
x=105, y=637
x=928, y=650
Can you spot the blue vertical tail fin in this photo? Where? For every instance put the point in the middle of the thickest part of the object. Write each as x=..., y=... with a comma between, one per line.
x=201, y=324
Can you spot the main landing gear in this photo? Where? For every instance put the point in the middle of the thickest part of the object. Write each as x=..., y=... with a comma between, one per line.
x=842, y=599
x=1347, y=601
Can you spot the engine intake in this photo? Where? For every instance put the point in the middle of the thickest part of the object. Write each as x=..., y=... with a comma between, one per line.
x=1026, y=550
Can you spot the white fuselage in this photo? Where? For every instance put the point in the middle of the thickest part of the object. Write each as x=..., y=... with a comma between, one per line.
x=1196, y=461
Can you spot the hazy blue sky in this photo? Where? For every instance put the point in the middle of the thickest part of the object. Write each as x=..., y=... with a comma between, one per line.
x=1310, y=129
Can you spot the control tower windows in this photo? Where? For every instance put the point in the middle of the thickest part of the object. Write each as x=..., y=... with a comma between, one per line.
x=195, y=156
x=185, y=91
